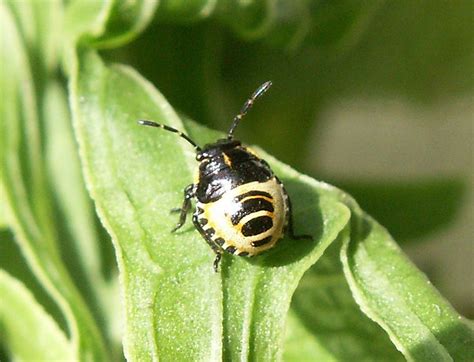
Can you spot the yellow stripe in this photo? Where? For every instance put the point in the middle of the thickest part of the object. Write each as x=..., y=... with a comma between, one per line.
x=257, y=197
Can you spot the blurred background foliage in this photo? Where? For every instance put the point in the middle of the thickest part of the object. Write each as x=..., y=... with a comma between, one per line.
x=377, y=95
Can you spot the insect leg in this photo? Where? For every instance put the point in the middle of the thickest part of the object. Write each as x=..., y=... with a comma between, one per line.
x=215, y=248
x=188, y=195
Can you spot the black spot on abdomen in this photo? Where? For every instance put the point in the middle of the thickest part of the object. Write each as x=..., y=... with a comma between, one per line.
x=249, y=207
x=257, y=226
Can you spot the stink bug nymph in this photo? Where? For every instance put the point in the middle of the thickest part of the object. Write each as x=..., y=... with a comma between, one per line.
x=241, y=206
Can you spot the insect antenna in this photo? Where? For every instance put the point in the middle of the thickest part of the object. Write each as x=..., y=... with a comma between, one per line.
x=171, y=129
x=247, y=105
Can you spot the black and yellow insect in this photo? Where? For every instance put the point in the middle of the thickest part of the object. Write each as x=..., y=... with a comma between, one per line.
x=241, y=206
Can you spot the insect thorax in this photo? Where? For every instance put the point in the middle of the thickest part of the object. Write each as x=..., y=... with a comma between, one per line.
x=226, y=168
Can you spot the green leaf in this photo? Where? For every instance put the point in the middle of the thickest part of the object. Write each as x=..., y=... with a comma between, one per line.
x=26, y=330
x=392, y=292
x=26, y=189
x=324, y=308
x=176, y=306
x=164, y=283
x=301, y=344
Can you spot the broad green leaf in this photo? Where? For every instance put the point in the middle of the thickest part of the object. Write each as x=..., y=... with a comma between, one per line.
x=301, y=344
x=392, y=292
x=26, y=330
x=324, y=308
x=176, y=306
x=26, y=190
x=169, y=292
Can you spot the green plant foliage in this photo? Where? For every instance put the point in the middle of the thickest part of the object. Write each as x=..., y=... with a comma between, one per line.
x=324, y=308
x=46, y=341
x=393, y=293
x=77, y=171
x=244, y=300
x=27, y=191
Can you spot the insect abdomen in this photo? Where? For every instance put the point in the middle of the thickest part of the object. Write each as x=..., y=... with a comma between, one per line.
x=248, y=219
